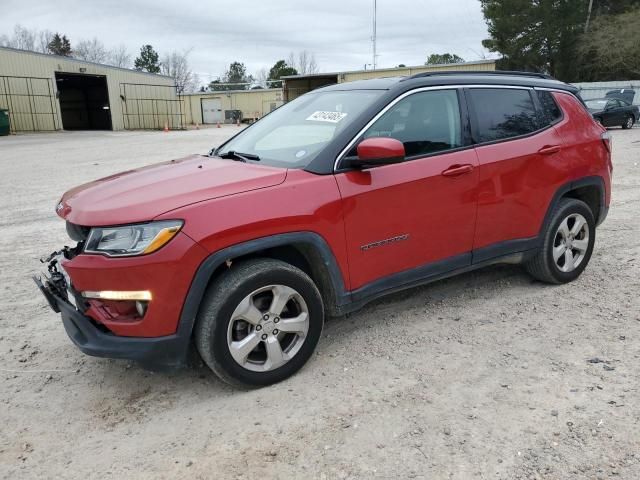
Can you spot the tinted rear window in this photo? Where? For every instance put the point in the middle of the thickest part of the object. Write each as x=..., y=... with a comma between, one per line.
x=503, y=113
x=551, y=113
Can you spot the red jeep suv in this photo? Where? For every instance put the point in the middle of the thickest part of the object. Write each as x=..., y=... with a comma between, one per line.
x=342, y=195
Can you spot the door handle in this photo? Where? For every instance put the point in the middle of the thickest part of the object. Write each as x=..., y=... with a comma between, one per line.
x=456, y=170
x=549, y=150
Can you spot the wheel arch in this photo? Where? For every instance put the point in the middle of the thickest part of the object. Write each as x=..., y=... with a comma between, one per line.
x=305, y=250
x=590, y=190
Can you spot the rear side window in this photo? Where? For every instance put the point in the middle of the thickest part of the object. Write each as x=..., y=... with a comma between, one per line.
x=551, y=113
x=503, y=113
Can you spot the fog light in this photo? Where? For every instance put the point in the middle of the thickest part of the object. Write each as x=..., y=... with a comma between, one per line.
x=143, y=295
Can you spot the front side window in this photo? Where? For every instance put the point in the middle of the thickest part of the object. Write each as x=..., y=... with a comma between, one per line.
x=425, y=122
x=294, y=134
x=503, y=113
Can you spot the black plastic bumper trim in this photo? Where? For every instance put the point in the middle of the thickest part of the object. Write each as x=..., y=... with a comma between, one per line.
x=168, y=351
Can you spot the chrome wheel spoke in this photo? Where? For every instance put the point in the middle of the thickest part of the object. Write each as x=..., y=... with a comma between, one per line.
x=581, y=245
x=247, y=311
x=294, y=325
x=577, y=226
x=559, y=251
x=275, y=356
x=568, y=261
x=240, y=350
x=281, y=295
x=564, y=228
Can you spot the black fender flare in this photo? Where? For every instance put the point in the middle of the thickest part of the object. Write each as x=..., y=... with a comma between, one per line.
x=209, y=265
x=591, y=181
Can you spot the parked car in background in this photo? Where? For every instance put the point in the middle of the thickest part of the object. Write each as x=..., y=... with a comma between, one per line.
x=613, y=112
x=345, y=194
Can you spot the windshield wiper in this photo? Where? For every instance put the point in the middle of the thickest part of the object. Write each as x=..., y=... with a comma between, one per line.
x=243, y=157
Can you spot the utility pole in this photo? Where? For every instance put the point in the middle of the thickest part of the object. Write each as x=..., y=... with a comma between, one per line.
x=586, y=25
x=373, y=38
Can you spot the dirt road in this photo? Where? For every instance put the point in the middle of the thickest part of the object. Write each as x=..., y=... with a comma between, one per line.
x=484, y=376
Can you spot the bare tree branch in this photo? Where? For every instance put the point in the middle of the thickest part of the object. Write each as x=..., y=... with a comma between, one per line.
x=176, y=65
x=119, y=57
x=91, y=51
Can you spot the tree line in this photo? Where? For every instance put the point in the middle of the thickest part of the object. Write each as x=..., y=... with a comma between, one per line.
x=572, y=40
x=174, y=64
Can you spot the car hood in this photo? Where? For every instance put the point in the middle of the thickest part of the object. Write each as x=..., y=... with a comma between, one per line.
x=144, y=193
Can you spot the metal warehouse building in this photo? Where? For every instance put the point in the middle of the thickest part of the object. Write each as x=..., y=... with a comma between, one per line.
x=296, y=85
x=229, y=106
x=50, y=92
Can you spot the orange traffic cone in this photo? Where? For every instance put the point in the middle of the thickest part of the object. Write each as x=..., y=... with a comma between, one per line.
x=166, y=127
x=218, y=124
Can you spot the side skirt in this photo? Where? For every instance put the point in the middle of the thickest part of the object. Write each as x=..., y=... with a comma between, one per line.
x=510, y=252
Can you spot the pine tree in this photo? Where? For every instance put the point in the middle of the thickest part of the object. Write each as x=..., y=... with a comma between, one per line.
x=60, y=45
x=147, y=60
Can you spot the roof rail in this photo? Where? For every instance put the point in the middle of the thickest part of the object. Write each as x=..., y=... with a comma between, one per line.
x=480, y=72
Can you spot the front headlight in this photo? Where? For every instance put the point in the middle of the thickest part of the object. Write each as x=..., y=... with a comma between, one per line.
x=129, y=240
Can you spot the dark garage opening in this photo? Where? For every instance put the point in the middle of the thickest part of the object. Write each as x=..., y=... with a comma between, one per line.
x=84, y=101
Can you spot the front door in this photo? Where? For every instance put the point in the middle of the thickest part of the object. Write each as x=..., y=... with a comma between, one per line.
x=408, y=216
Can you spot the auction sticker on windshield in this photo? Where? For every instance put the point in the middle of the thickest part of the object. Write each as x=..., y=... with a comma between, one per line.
x=331, y=117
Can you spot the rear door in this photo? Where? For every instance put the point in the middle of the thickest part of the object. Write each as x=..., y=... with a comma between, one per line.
x=519, y=153
x=420, y=213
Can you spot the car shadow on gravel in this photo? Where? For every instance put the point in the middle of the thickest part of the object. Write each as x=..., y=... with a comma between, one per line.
x=491, y=282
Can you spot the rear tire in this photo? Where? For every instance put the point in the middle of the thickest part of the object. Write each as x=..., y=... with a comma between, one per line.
x=259, y=322
x=628, y=122
x=567, y=244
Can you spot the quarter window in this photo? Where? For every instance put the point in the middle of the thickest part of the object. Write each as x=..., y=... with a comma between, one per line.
x=550, y=111
x=503, y=113
x=425, y=122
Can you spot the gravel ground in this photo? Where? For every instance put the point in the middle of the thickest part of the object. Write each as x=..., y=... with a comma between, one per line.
x=487, y=375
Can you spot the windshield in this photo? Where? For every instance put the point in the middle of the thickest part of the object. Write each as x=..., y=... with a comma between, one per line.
x=596, y=104
x=294, y=134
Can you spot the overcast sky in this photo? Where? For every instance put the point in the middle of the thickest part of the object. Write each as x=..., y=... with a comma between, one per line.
x=259, y=33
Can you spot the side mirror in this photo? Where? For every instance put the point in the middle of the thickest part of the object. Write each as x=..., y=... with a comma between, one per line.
x=376, y=151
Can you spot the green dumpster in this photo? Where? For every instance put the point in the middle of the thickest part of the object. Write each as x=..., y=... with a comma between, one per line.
x=4, y=122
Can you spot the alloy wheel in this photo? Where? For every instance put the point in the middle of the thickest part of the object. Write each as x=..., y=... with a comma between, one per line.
x=268, y=328
x=571, y=243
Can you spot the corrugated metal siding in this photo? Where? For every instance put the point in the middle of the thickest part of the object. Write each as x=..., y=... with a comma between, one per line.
x=590, y=90
x=253, y=103
x=31, y=103
x=15, y=63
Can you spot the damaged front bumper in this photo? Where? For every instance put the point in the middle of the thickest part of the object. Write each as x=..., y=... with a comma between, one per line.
x=94, y=339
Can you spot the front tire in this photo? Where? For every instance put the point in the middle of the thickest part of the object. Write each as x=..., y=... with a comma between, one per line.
x=259, y=322
x=567, y=244
x=628, y=123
